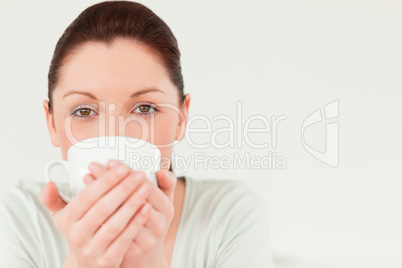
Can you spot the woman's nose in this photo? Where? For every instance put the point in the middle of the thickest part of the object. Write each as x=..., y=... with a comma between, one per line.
x=108, y=121
x=117, y=123
x=113, y=124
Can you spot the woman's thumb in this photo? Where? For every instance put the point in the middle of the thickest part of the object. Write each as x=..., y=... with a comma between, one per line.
x=167, y=182
x=49, y=196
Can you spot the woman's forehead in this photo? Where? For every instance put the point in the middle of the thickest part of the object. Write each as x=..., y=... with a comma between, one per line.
x=125, y=64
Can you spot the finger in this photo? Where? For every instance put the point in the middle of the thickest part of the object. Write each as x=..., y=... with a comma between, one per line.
x=125, y=240
x=158, y=199
x=144, y=240
x=88, y=178
x=97, y=169
x=49, y=196
x=118, y=221
x=113, y=163
x=158, y=222
x=112, y=202
x=167, y=183
x=93, y=192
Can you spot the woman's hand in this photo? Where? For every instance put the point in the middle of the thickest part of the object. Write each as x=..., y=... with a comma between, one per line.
x=146, y=249
x=101, y=222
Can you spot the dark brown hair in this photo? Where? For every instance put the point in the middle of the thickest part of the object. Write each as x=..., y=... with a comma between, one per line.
x=106, y=21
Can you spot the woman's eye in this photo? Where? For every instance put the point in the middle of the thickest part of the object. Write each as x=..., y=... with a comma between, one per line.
x=145, y=109
x=83, y=113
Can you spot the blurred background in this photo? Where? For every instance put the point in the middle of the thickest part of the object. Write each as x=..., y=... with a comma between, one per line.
x=249, y=63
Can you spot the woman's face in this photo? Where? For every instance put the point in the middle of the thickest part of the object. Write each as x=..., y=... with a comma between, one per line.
x=123, y=90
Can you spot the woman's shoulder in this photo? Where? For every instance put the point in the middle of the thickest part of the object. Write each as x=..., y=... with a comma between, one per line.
x=20, y=205
x=221, y=189
x=220, y=199
x=27, y=231
x=22, y=196
x=226, y=222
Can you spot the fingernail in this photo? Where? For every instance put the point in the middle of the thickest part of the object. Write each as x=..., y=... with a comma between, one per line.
x=121, y=170
x=143, y=190
x=139, y=175
x=94, y=166
x=112, y=162
x=88, y=179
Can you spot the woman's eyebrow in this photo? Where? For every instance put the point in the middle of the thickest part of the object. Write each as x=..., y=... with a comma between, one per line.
x=135, y=94
x=144, y=91
x=71, y=92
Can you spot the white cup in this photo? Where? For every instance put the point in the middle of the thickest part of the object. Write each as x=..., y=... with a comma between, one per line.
x=137, y=154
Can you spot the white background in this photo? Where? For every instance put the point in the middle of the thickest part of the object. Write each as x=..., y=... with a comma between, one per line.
x=277, y=58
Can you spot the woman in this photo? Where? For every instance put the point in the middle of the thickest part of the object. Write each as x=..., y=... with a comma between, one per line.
x=118, y=59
